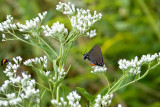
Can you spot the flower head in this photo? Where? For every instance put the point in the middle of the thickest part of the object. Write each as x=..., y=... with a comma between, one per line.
x=55, y=29
x=134, y=66
x=99, y=69
x=26, y=92
x=80, y=19
x=32, y=25
x=103, y=100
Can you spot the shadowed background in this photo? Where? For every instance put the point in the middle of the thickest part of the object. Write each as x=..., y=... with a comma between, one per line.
x=127, y=29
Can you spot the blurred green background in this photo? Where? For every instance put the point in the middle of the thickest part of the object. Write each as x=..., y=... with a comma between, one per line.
x=127, y=29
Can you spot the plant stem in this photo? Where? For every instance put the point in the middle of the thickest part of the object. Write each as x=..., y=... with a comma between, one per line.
x=19, y=38
x=112, y=88
x=58, y=93
x=107, y=80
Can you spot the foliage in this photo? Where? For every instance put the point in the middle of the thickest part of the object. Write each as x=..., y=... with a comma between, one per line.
x=124, y=25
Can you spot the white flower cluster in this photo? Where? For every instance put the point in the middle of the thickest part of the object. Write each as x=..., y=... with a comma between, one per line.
x=62, y=103
x=134, y=66
x=84, y=20
x=39, y=61
x=47, y=73
x=73, y=101
x=61, y=72
x=92, y=33
x=32, y=24
x=6, y=25
x=99, y=69
x=119, y=105
x=25, y=86
x=27, y=36
x=55, y=29
x=104, y=101
x=80, y=19
x=66, y=8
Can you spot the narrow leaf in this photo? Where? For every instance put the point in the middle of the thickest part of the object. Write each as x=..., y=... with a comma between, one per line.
x=42, y=76
x=68, y=46
x=85, y=94
x=64, y=91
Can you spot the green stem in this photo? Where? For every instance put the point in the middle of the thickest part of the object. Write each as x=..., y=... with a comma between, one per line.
x=58, y=89
x=19, y=38
x=107, y=81
x=52, y=92
x=112, y=88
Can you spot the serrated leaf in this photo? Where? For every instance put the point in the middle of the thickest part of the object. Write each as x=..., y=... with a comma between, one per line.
x=85, y=94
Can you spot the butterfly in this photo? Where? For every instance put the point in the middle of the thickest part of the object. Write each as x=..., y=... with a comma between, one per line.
x=95, y=56
x=4, y=61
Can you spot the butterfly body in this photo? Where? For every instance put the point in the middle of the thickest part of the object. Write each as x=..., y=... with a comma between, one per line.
x=94, y=56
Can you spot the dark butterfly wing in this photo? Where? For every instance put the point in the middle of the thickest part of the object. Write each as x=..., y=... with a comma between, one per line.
x=95, y=54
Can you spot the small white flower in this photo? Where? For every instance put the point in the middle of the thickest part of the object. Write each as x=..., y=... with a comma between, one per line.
x=119, y=105
x=3, y=36
x=134, y=66
x=99, y=69
x=55, y=29
x=92, y=33
x=104, y=100
x=74, y=99
x=27, y=36
x=47, y=73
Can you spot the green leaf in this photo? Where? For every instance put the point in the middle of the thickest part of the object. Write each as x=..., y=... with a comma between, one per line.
x=64, y=91
x=118, y=85
x=47, y=50
x=68, y=69
x=85, y=94
x=54, y=65
x=44, y=48
x=104, y=91
x=68, y=46
x=58, y=82
x=42, y=76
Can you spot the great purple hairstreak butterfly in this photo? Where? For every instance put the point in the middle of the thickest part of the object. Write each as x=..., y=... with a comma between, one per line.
x=4, y=61
x=95, y=56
